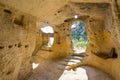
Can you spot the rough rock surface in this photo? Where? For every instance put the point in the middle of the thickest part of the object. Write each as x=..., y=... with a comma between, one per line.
x=22, y=43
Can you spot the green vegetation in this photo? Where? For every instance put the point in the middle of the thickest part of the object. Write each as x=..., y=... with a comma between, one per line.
x=79, y=37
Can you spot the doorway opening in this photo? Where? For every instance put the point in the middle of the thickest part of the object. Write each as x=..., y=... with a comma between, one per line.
x=79, y=36
x=79, y=44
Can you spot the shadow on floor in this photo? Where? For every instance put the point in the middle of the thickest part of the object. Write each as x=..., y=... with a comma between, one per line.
x=54, y=70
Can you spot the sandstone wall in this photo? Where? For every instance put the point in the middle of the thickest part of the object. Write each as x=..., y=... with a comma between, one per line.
x=22, y=43
x=17, y=42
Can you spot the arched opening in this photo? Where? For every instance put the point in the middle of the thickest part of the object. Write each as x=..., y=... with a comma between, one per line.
x=79, y=36
x=47, y=33
x=79, y=44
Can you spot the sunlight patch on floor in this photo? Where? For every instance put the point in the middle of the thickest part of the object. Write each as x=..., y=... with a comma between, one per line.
x=79, y=74
x=34, y=65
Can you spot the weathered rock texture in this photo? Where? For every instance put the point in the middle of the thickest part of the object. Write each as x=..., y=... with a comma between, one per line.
x=22, y=42
x=17, y=43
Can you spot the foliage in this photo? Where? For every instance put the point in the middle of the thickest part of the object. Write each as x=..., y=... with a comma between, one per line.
x=81, y=44
x=78, y=34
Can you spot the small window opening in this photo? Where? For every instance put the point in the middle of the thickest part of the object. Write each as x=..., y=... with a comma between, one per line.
x=79, y=36
x=47, y=29
x=48, y=37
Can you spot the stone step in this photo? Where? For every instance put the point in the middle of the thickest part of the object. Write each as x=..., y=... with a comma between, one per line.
x=81, y=54
x=75, y=57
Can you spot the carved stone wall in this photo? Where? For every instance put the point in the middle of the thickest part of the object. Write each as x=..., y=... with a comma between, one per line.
x=22, y=43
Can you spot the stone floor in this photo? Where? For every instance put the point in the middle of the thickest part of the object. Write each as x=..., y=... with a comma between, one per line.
x=54, y=70
x=85, y=73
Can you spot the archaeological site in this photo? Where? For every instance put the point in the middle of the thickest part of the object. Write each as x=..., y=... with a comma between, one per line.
x=59, y=39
